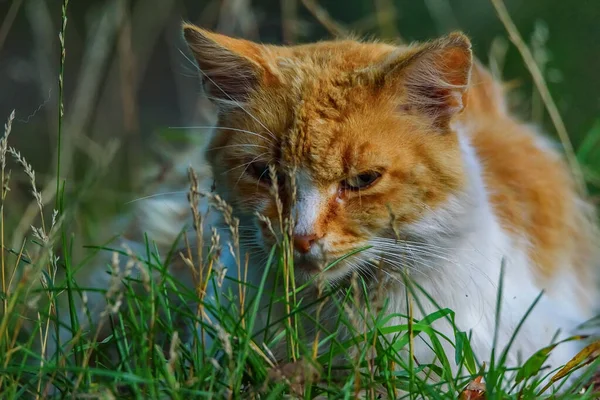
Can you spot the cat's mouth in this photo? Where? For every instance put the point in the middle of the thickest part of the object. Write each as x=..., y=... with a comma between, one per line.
x=315, y=259
x=309, y=263
x=329, y=266
x=307, y=267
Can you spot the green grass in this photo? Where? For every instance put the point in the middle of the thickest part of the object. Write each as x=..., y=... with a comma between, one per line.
x=144, y=354
x=157, y=345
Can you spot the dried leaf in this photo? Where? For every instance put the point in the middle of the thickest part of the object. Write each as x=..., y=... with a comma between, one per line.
x=585, y=356
x=475, y=390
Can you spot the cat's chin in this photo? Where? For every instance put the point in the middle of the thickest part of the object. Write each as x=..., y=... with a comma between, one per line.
x=306, y=264
x=308, y=269
x=305, y=273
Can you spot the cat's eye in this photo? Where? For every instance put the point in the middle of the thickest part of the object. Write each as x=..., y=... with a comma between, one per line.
x=361, y=181
x=260, y=171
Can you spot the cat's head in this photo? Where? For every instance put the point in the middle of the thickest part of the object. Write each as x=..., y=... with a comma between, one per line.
x=359, y=133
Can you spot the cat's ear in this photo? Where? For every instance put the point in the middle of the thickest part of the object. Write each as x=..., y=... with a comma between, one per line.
x=230, y=68
x=435, y=77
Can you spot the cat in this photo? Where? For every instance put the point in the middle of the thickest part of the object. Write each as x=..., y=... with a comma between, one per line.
x=410, y=151
x=368, y=130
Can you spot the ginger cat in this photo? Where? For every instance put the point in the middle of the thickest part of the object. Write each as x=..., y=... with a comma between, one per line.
x=409, y=150
x=363, y=131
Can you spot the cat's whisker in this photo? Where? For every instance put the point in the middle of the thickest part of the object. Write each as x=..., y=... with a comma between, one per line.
x=399, y=249
x=431, y=252
x=151, y=196
x=387, y=255
x=242, y=145
x=391, y=259
x=387, y=273
x=436, y=251
x=421, y=262
x=395, y=241
x=190, y=61
x=224, y=128
x=407, y=263
x=357, y=265
x=244, y=165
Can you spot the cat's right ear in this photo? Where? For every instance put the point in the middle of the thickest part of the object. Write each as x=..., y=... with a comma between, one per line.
x=230, y=68
x=435, y=77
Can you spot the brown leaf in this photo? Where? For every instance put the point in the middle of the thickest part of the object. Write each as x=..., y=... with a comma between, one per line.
x=475, y=390
x=585, y=356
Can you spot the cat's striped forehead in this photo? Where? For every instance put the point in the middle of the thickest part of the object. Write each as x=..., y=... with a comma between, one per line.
x=326, y=125
x=324, y=131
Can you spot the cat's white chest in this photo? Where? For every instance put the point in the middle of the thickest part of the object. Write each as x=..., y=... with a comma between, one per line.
x=466, y=280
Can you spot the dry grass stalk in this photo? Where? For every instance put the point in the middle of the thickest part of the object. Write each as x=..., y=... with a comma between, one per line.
x=4, y=192
x=386, y=19
x=321, y=15
x=46, y=257
x=285, y=228
x=194, y=200
x=289, y=10
x=36, y=193
x=114, y=300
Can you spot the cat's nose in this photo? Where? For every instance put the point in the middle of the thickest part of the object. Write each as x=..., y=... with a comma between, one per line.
x=303, y=243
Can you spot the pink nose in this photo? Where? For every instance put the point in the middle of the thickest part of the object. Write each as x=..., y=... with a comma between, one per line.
x=302, y=243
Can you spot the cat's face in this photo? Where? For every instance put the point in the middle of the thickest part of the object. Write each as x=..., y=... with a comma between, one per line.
x=359, y=136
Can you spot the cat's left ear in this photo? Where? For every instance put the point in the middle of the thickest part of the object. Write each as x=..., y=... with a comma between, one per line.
x=231, y=68
x=434, y=77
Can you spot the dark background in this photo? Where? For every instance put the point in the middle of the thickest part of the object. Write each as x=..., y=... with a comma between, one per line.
x=127, y=79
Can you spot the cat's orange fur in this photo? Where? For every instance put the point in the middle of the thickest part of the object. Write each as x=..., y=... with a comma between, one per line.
x=533, y=194
x=532, y=190
x=330, y=118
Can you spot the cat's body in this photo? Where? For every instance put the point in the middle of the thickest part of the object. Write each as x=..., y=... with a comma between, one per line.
x=410, y=150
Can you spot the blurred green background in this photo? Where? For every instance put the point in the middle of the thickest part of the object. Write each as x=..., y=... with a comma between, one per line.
x=127, y=79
